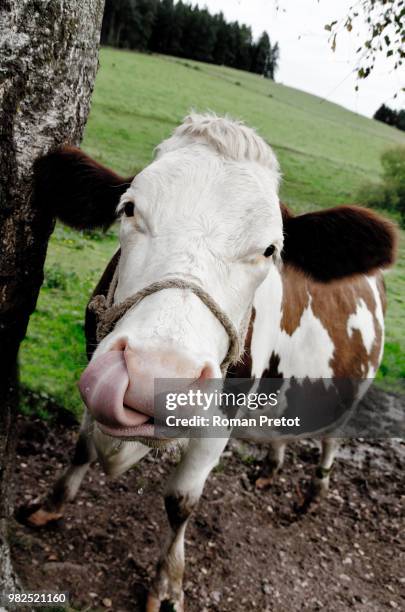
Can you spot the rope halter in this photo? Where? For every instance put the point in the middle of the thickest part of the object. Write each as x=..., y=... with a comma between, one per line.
x=108, y=314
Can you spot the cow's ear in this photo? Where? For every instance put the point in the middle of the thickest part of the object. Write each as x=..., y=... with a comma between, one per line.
x=337, y=242
x=78, y=190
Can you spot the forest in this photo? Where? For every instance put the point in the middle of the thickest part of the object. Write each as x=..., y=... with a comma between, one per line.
x=391, y=116
x=183, y=30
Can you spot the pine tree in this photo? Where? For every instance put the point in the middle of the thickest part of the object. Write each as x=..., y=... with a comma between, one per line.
x=262, y=55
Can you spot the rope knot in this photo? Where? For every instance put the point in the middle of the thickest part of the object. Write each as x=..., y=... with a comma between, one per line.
x=98, y=305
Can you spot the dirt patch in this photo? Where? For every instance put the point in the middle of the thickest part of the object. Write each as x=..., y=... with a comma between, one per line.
x=246, y=550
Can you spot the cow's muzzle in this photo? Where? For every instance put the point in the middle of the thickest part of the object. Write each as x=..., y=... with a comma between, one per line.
x=118, y=386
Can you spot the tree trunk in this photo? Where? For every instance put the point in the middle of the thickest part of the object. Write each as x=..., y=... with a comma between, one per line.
x=48, y=63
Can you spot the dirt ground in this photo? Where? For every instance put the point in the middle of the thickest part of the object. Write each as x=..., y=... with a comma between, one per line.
x=247, y=550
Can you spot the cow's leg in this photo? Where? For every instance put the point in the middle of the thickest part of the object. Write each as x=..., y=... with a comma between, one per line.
x=272, y=463
x=115, y=457
x=320, y=481
x=182, y=494
x=66, y=487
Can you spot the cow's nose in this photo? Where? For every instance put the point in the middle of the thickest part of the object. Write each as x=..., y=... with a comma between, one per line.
x=118, y=387
x=146, y=367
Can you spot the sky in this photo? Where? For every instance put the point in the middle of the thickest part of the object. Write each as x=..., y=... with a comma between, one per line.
x=306, y=60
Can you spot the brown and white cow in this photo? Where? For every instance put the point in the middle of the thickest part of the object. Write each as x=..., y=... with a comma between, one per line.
x=207, y=211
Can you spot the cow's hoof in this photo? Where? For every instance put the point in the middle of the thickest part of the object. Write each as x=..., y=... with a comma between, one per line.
x=311, y=502
x=42, y=517
x=36, y=516
x=320, y=488
x=264, y=482
x=154, y=604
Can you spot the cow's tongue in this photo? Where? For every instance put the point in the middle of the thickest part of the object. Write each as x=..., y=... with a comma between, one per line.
x=103, y=386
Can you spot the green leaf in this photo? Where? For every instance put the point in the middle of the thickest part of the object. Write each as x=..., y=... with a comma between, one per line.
x=329, y=26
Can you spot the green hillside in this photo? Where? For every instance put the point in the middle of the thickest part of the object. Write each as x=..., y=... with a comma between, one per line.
x=325, y=153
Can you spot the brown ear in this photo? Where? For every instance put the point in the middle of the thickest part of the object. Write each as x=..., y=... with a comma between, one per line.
x=78, y=190
x=338, y=242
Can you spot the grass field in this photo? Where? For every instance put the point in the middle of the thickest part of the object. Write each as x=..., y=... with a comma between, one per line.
x=325, y=153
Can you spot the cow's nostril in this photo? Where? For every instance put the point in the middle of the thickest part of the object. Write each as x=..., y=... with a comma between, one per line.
x=119, y=345
x=208, y=372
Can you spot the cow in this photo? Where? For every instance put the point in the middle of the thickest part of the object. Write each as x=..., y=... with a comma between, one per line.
x=213, y=278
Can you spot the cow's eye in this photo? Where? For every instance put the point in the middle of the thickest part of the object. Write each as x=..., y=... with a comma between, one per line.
x=129, y=208
x=269, y=251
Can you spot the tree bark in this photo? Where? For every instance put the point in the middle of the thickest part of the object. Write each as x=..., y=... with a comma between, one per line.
x=48, y=63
